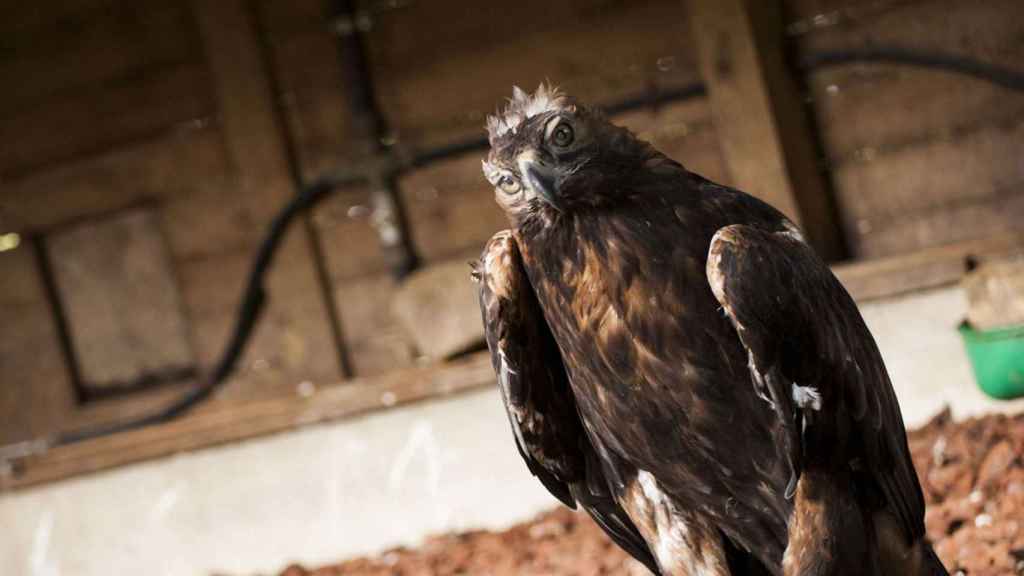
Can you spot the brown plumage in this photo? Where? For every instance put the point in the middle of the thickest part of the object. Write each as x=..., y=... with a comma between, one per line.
x=678, y=362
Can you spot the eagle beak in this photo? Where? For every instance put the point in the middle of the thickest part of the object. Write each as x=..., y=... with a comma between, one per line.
x=539, y=177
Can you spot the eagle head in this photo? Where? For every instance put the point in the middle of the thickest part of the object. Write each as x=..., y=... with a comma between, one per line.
x=550, y=156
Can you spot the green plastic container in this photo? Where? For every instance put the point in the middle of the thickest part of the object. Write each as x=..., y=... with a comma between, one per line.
x=997, y=357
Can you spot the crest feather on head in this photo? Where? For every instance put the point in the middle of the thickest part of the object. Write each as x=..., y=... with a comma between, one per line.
x=523, y=106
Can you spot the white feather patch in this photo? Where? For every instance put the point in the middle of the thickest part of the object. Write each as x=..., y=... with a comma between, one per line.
x=806, y=397
x=524, y=106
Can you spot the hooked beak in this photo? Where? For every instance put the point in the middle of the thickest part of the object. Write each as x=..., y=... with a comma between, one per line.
x=539, y=177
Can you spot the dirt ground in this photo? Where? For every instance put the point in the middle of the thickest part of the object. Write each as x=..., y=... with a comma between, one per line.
x=972, y=473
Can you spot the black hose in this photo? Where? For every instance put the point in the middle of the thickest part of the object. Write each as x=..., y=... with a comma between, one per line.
x=254, y=296
x=1005, y=77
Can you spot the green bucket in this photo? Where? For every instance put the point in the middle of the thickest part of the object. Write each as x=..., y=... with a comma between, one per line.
x=997, y=357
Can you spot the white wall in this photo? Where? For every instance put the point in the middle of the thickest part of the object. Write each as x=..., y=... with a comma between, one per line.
x=332, y=491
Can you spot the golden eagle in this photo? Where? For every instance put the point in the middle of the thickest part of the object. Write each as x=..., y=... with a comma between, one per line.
x=677, y=361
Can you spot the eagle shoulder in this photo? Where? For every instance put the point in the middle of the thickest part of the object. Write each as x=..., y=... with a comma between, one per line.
x=814, y=361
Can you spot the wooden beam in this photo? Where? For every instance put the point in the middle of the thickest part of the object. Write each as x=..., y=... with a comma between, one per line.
x=211, y=428
x=760, y=116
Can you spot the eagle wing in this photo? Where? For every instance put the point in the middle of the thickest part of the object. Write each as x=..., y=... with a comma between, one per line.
x=538, y=398
x=814, y=361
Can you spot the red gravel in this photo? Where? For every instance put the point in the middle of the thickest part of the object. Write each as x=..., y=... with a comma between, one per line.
x=972, y=473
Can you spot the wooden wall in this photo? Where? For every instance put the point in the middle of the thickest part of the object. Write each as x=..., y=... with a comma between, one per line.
x=919, y=158
x=166, y=106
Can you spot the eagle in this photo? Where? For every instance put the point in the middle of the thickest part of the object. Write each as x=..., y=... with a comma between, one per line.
x=677, y=361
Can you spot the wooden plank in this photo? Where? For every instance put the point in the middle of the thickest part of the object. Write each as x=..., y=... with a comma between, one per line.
x=177, y=163
x=968, y=167
x=759, y=115
x=252, y=419
x=290, y=345
x=921, y=157
x=376, y=341
x=344, y=222
x=36, y=391
x=254, y=139
x=1001, y=212
x=935, y=193
x=60, y=47
x=922, y=269
x=884, y=106
x=421, y=53
x=310, y=81
x=242, y=90
x=102, y=117
x=122, y=303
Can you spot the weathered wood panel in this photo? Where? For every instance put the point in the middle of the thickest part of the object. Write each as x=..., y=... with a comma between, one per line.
x=115, y=280
x=902, y=140
x=879, y=106
x=95, y=76
x=62, y=47
x=376, y=341
x=960, y=221
x=96, y=119
x=289, y=345
x=215, y=181
x=293, y=341
x=310, y=82
x=934, y=193
x=344, y=222
x=35, y=386
x=179, y=163
x=422, y=51
x=430, y=96
x=869, y=110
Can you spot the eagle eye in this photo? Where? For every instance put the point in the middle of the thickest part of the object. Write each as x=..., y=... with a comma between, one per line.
x=562, y=136
x=508, y=185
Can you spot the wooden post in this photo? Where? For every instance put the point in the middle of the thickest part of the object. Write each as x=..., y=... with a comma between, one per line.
x=760, y=116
